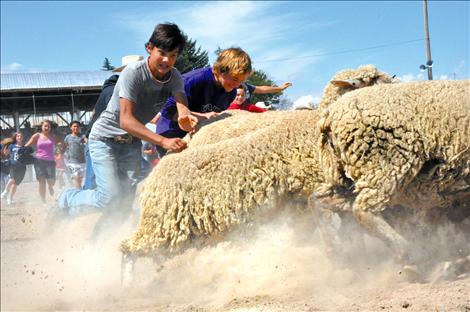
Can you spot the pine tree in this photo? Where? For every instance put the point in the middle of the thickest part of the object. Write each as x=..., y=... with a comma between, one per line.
x=107, y=65
x=192, y=57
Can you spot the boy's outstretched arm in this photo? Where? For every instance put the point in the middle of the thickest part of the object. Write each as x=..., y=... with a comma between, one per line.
x=271, y=89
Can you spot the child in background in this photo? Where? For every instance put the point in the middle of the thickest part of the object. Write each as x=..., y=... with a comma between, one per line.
x=60, y=164
x=44, y=165
x=4, y=168
x=239, y=102
x=14, y=148
x=74, y=145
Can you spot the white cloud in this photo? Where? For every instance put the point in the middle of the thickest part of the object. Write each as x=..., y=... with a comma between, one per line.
x=411, y=77
x=231, y=20
x=15, y=66
x=11, y=68
x=306, y=101
x=421, y=76
x=258, y=27
x=20, y=68
x=460, y=67
x=286, y=63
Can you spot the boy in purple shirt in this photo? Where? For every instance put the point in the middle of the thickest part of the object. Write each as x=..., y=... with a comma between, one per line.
x=209, y=90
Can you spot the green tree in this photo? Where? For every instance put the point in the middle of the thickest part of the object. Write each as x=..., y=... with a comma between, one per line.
x=107, y=65
x=192, y=57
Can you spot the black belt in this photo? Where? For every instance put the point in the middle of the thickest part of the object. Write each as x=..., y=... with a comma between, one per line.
x=120, y=139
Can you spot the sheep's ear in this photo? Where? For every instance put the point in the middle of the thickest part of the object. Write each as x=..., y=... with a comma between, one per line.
x=348, y=83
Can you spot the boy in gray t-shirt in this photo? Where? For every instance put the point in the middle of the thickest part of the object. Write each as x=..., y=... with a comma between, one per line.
x=115, y=138
x=74, y=145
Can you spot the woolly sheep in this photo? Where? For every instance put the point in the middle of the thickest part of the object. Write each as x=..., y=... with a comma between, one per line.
x=372, y=148
x=208, y=189
x=200, y=191
x=406, y=144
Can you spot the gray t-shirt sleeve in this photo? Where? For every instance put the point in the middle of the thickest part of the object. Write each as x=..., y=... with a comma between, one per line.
x=178, y=86
x=130, y=83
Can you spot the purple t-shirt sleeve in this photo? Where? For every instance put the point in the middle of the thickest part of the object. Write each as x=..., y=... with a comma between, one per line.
x=250, y=87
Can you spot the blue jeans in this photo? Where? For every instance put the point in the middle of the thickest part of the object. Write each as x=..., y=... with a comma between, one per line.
x=116, y=167
x=89, y=180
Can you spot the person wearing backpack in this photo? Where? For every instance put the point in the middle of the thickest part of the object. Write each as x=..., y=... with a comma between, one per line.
x=17, y=156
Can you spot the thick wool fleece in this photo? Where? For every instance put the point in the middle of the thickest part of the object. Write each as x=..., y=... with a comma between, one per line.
x=405, y=143
x=234, y=164
x=236, y=126
x=207, y=189
x=402, y=143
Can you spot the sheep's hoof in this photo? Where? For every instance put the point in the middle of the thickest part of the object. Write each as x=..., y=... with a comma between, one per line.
x=127, y=269
x=411, y=274
x=452, y=270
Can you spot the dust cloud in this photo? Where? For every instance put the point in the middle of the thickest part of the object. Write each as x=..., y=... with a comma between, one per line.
x=281, y=257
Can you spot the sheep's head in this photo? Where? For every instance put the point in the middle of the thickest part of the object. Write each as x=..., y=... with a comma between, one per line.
x=351, y=79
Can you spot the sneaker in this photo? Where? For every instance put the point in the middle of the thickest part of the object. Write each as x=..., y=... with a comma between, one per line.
x=4, y=194
x=9, y=201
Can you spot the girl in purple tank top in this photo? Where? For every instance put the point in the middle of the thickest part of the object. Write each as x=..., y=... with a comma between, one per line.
x=44, y=165
x=45, y=148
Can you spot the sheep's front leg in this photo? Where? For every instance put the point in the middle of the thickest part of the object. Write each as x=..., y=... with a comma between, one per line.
x=378, y=183
x=127, y=268
x=324, y=221
x=452, y=270
x=378, y=227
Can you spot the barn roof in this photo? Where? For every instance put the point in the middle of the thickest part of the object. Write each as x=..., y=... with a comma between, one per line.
x=53, y=80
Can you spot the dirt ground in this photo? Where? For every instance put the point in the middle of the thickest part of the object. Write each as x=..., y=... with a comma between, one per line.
x=279, y=265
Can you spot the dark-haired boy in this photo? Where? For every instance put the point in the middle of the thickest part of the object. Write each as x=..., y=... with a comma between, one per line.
x=115, y=138
x=74, y=144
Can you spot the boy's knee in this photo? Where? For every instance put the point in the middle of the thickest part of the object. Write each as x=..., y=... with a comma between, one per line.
x=106, y=197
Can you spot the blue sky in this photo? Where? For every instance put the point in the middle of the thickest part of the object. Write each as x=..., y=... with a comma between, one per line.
x=299, y=41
